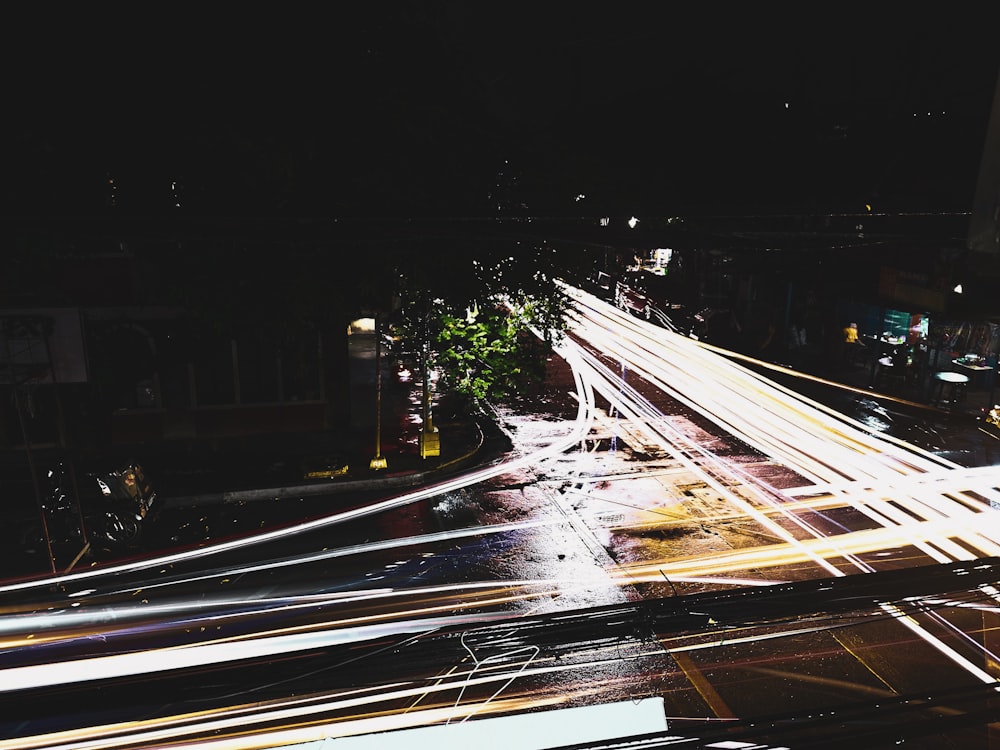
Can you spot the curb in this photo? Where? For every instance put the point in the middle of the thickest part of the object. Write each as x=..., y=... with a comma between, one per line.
x=401, y=480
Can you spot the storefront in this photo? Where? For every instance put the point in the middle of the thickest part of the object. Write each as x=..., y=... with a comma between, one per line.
x=884, y=329
x=981, y=339
x=967, y=347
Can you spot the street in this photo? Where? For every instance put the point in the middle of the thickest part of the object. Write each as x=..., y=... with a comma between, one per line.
x=674, y=524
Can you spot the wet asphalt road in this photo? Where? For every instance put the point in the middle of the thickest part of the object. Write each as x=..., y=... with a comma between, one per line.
x=523, y=554
x=958, y=437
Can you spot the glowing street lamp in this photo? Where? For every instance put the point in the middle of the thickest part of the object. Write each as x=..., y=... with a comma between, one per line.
x=379, y=461
x=430, y=438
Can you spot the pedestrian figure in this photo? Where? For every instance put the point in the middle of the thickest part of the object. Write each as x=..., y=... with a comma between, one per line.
x=852, y=344
x=796, y=337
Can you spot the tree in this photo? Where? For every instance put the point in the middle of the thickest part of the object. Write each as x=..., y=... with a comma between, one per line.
x=479, y=317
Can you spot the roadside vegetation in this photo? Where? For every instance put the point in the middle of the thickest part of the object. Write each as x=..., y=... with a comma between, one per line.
x=484, y=327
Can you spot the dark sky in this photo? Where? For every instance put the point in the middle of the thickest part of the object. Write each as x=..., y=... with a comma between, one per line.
x=467, y=108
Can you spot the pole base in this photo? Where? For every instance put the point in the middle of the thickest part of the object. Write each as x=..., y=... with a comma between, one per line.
x=377, y=463
x=430, y=443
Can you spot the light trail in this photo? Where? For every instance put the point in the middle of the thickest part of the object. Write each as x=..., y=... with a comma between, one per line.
x=574, y=436
x=324, y=708
x=322, y=716
x=862, y=459
x=302, y=638
x=348, y=551
x=819, y=444
x=914, y=498
x=632, y=405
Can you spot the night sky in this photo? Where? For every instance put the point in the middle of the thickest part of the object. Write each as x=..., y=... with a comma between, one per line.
x=476, y=109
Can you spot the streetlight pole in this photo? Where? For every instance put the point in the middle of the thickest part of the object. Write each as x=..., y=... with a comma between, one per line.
x=379, y=461
x=430, y=438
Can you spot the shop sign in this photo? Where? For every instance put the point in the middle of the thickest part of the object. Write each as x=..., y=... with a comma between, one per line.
x=910, y=289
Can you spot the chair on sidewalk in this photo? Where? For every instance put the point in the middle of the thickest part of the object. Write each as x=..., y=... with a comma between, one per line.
x=889, y=376
x=948, y=387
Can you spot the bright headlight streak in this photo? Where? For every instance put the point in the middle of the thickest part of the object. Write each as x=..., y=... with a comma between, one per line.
x=885, y=512
x=956, y=550
x=880, y=463
x=733, y=561
x=183, y=732
x=355, y=549
x=727, y=581
x=301, y=736
x=992, y=593
x=974, y=669
x=833, y=417
x=243, y=718
x=498, y=593
x=298, y=711
x=980, y=479
x=672, y=347
x=208, y=551
x=871, y=469
x=989, y=656
x=248, y=647
x=710, y=404
x=895, y=464
x=79, y=618
x=752, y=422
x=882, y=504
x=227, y=608
x=139, y=661
x=898, y=463
x=608, y=390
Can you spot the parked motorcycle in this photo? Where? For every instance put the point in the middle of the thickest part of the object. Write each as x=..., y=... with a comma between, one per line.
x=109, y=506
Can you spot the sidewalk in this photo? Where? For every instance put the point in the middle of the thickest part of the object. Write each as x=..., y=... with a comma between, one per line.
x=247, y=467
x=386, y=424
x=274, y=465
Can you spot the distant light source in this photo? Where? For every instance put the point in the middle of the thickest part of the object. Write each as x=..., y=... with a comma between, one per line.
x=632, y=222
x=957, y=289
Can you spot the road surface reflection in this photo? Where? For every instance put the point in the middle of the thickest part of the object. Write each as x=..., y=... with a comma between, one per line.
x=870, y=566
